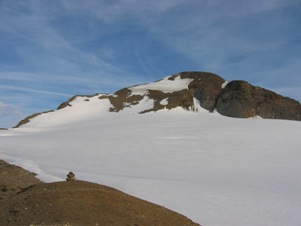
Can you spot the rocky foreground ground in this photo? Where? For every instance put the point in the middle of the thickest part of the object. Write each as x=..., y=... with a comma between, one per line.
x=24, y=200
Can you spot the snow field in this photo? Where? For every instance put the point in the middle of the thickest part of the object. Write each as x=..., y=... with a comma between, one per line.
x=213, y=169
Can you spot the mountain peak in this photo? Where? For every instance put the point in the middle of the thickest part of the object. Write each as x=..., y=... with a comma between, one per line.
x=195, y=90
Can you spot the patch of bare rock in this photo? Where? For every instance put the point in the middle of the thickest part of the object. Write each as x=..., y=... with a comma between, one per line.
x=73, y=202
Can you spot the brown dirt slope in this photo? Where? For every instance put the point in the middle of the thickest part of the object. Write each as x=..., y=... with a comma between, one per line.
x=14, y=179
x=76, y=203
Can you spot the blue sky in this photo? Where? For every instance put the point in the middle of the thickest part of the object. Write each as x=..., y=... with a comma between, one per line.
x=51, y=50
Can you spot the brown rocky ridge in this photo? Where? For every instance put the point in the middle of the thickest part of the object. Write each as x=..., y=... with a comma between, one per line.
x=234, y=99
x=24, y=200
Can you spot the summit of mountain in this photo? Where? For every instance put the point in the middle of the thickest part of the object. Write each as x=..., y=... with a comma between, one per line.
x=192, y=91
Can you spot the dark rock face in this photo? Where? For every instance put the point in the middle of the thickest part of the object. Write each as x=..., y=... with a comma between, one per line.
x=205, y=87
x=242, y=100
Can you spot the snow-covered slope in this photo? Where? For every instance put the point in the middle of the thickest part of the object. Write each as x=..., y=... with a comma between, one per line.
x=213, y=169
x=165, y=85
x=83, y=108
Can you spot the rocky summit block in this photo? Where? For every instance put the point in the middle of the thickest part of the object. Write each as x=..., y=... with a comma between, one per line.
x=242, y=100
x=239, y=98
x=205, y=87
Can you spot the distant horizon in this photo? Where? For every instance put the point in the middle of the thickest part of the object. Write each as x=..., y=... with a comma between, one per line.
x=53, y=50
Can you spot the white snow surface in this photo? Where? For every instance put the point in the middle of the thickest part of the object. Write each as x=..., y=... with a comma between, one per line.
x=165, y=85
x=213, y=169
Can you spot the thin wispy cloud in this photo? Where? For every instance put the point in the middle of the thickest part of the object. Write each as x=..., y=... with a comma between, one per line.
x=35, y=91
x=7, y=109
x=10, y=112
x=77, y=47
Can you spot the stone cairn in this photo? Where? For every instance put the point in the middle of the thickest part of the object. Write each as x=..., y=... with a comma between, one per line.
x=70, y=176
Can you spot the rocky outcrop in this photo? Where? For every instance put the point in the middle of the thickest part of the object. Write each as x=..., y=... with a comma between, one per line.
x=205, y=87
x=182, y=98
x=239, y=98
x=242, y=100
x=121, y=99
